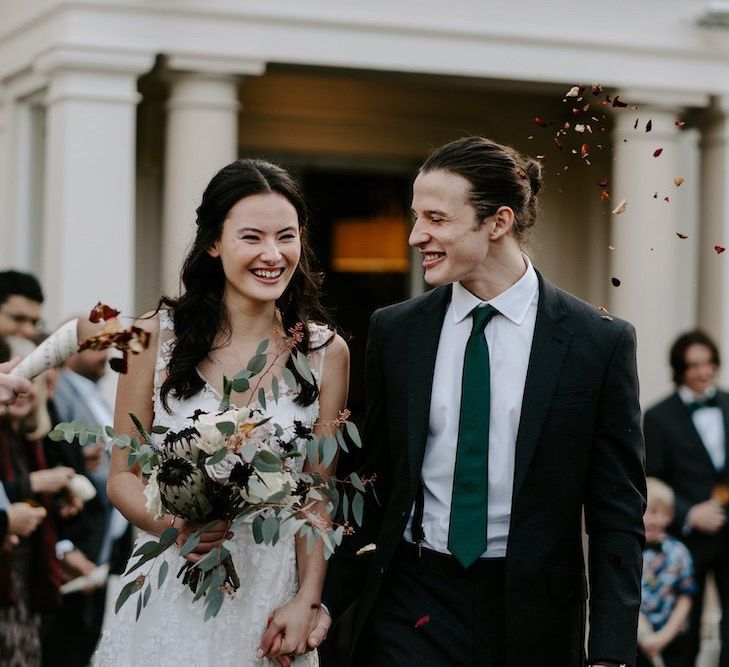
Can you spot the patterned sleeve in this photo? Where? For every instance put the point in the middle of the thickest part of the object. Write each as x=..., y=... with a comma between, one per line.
x=685, y=584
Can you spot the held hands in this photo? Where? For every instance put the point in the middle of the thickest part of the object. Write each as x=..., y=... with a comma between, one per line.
x=707, y=517
x=294, y=629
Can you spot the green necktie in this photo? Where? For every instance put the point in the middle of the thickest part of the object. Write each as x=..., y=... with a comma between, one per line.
x=469, y=504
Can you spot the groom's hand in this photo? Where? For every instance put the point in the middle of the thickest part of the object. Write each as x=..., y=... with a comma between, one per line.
x=319, y=633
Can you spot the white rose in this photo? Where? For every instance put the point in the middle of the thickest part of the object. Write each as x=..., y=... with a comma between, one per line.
x=153, y=496
x=220, y=472
x=211, y=439
x=263, y=485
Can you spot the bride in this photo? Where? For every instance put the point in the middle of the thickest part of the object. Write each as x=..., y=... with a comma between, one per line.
x=248, y=277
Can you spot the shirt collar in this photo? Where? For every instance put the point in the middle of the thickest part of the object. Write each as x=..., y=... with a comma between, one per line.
x=513, y=303
x=689, y=396
x=82, y=384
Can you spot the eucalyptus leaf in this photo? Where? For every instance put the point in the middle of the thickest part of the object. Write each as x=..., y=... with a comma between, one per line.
x=148, y=548
x=161, y=430
x=139, y=427
x=274, y=389
x=240, y=385
x=329, y=445
x=257, y=364
x=357, y=482
x=269, y=528
x=217, y=457
x=358, y=508
x=302, y=366
x=168, y=535
x=214, y=602
x=262, y=398
x=289, y=379
x=256, y=527
x=353, y=433
x=312, y=452
x=139, y=607
x=147, y=593
x=124, y=594
x=163, y=570
x=341, y=441
x=245, y=374
x=262, y=346
x=226, y=428
x=190, y=544
x=345, y=506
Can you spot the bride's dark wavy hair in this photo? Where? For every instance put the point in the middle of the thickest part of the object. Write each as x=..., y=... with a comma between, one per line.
x=200, y=315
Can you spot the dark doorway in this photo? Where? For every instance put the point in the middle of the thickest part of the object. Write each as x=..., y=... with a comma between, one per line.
x=359, y=233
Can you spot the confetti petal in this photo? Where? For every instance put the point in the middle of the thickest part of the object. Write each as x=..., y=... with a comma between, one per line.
x=649, y=126
x=575, y=91
x=679, y=181
x=579, y=128
x=666, y=199
x=540, y=121
x=617, y=103
x=657, y=152
x=596, y=89
x=635, y=125
x=423, y=620
x=603, y=182
x=585, y=150
x=680, y=123
x=620, y=208
x=719, y=249
x=681, y=236
x=604, y=196
x=366, y=549
x=615, y=282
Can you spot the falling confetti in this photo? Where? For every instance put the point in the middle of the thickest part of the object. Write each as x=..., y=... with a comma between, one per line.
x=620, y=208
x=366, y=549
x=667, y=199
x=604, y=196
x=541, y=122
x=680, y=123
x=423, y=620
x=657, y=152
x=682, y=236
x=719, y=249
x=679, y=181
x=575, y=91
x=603, y=182
x=649, y=126
x=615, y=282
x=596, y=89
x=635, y=125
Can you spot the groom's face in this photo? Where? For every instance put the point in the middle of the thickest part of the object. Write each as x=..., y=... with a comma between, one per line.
x=452, y=243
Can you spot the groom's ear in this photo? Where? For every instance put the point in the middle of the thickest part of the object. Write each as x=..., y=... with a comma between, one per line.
x=503, y=223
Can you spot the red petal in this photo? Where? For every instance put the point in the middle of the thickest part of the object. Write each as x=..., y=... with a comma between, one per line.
x=119, y=364
x=649, y=126
x=102, y=312
x=657, y=152
x=666, y=199
x=618, y=103
x=635, y=125
x=681, y=236
x=603, y=182
x=604, y=196
x=596, y=89
x=615, y=282
x=585, y=150
x=680, y=123
x=719, y=249
x=539, y=121
x=422, y=621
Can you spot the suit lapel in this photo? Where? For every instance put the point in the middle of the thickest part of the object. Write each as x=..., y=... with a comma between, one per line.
x=422, y=349
x=549, y=349
x=687, y=429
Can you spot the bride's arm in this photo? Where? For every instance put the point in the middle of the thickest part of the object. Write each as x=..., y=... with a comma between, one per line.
x=134, y=394
x=291, y=624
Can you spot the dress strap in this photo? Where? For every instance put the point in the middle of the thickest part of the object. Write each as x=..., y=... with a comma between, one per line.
x=165, y=343
x=319, y=335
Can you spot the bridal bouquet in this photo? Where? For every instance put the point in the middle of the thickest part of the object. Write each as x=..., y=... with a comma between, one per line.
x=235, y=465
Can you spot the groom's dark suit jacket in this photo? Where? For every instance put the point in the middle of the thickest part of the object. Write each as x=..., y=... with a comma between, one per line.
x=579, y=446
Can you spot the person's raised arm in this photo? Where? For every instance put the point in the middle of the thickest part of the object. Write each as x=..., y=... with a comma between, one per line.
x=125, y=487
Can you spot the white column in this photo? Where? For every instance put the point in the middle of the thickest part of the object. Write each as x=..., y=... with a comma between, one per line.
x=5, y=227
x=713, y=292
x=647, y=255
x=89, y=208
x=202, y=133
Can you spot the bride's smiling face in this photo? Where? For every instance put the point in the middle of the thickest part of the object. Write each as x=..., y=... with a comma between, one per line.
x=259, y=246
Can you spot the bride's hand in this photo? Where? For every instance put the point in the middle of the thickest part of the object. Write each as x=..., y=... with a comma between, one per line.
x=289, y=628
x=208, y=540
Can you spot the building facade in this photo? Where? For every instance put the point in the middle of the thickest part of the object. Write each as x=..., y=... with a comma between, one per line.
x=114, y=114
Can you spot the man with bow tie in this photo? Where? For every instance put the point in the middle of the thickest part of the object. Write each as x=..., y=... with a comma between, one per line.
x=686, y=447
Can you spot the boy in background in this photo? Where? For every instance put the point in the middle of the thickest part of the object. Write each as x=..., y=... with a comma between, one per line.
x=667, y=584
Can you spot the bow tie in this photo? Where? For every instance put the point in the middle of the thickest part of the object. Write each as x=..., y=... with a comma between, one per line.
x=655, y=546
x=711, y=402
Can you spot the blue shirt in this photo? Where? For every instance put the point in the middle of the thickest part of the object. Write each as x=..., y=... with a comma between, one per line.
x=667, y=574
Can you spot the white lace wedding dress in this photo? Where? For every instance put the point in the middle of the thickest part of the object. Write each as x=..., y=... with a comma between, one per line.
x=170, y=630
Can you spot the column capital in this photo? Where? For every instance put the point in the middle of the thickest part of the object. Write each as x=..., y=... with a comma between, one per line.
x=662, y=99
x=212, y=65
x=98, y=75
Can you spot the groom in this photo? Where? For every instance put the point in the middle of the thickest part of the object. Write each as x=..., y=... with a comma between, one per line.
x=499, y=409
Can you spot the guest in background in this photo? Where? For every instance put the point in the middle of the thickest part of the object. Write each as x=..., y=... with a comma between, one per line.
x=667, y=584
x=21, y=299
x=100, y=534
x=686, y=447
x=29, y=576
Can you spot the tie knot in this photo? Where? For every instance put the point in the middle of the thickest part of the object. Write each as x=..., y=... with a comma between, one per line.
x=481, y=317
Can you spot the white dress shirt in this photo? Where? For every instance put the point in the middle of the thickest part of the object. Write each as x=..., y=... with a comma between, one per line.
x=509, y=336
x=709, y=423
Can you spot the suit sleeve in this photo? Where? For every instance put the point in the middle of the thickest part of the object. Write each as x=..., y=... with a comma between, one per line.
x=347, y=571
x=658, y=462
x=614, y=508
x=3, y=525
